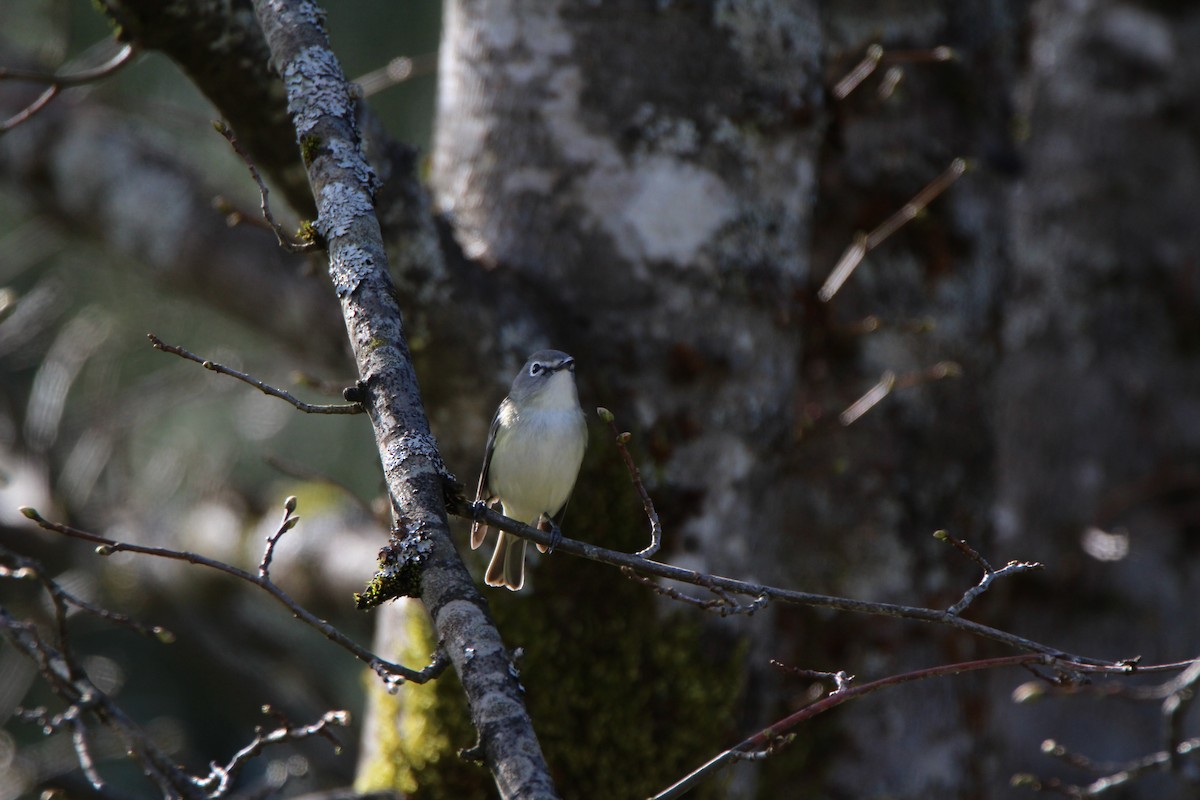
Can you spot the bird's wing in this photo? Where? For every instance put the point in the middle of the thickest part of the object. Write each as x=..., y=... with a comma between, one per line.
x=479, y=530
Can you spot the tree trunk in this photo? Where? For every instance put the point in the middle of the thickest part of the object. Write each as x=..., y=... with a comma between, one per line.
x=673, y=183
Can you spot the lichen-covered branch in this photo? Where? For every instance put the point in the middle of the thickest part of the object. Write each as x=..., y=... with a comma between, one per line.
x=322, y=112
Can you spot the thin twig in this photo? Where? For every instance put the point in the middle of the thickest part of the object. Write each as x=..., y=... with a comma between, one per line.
x=866, y=242
x=70, y=683
x=771, y=736
x=56, y=82
x=308, y=408
x=658, y=569
x=635, y=474
x=722, y=605
x=285, y=241
x=380, y=666
x=90, y=75
x=869, y=400
x=396, y=71
x=989, y=574
x=876, y=55
x=83, y=752
x=1174, y=710
x=28, y=111
x=28, y=567
x=288, y=522
x=890, y=382
x=1117, y=774
x=220, y=778
x=841, y=679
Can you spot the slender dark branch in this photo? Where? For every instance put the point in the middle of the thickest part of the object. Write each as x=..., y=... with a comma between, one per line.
x=28, y=111
x=69, y=683
x=722, y=604
x=1118, y=774
x=396, y=71
x=285, y=241
x=989, y=574
x=286, y=524
x=890, y=381
x=866, y=242
x=27, y=568
x=381, y=666
x=622, y=438
x=876, y=56
x=841, y=679
x=1174, y=709
x=220, y=777
x=90, y=75
x=308, y=408
x=658, y=569
x=83, y=752
x=772, y=737
x=57, y=82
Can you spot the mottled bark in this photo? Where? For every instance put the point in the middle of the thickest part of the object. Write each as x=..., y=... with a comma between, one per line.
x=322, y=110
x=675, y=181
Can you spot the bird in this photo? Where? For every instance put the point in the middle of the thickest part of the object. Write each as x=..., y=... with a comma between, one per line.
x=534, y=450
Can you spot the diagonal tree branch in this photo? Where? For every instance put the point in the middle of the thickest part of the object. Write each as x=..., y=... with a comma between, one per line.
x=421, y=558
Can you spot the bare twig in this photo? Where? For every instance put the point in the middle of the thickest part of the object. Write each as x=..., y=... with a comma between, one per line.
x=876, y=56
x=55, y=83
x=643, y=566
x=890, y=381
x=773, y=736
x=68, y=681
x=392, y=673
x=288, y=522
x=622, y=438
x=866, y=242
x=286, y=242
x=24, y=567
x=79, y=740
x=220, y=777
x=722, y=604
x=989, y=574
x=308, y=408
x=841, y=679
x=869, y=400
x=1114, y=775
x=396, y=71
x=1174, y=709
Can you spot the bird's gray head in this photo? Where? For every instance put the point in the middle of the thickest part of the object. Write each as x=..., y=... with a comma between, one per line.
x=547, y=379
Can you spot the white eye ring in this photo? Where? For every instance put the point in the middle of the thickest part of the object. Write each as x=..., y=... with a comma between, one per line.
x=535, y=369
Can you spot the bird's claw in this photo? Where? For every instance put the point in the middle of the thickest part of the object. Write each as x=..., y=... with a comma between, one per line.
x=556, y=537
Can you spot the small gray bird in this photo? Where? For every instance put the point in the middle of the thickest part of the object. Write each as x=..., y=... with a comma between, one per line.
x=533, y=454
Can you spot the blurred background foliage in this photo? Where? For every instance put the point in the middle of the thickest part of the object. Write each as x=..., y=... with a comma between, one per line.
x=99, y=428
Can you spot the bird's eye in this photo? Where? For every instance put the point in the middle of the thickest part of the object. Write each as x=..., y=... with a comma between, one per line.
x=535, y=369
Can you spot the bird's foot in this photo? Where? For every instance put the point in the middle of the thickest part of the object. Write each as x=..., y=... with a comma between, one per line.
x=551, y=527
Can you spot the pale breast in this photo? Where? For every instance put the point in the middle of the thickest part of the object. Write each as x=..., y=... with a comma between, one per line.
x=536, y=461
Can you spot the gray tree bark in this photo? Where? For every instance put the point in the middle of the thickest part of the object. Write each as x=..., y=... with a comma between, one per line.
x=676, y=181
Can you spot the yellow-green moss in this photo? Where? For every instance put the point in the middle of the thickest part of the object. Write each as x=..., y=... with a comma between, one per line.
x=420, y=729
x=307, y=232
x=309, y=145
